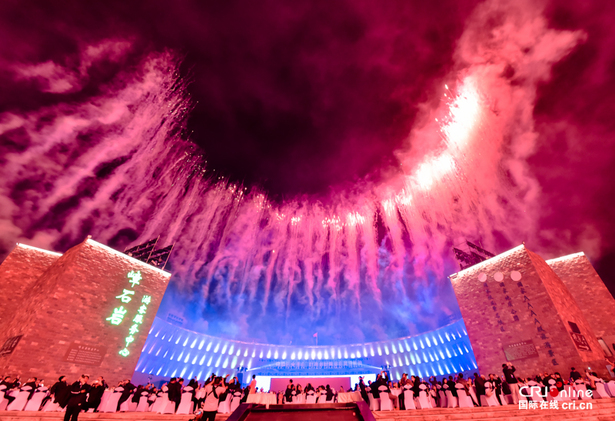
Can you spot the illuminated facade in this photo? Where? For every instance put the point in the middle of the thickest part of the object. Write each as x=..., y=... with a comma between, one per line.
x=174, y=351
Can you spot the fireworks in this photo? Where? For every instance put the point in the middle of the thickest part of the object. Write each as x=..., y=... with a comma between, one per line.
x=373, y=261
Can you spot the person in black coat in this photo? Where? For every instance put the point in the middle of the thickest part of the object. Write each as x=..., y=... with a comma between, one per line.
x=175, y=392
x=288, y=395
x=479, y=383
x=77, y=399
x=33, y=384
x=363, y=390
x=137, y=396
x=452, y=385
x=96, y=393
x=375, y=385
x=329, y=393
x=415, y=386
x=61, y=392
x=7, y=381
x=128, y=389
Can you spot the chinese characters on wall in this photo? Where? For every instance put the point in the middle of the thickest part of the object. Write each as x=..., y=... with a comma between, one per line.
x=516, y=312
x=120, y=313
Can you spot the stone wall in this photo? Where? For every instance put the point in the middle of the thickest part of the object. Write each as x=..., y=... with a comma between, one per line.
x=590, y=293
x=18, y=272
x=568, y=310
x=68, y=308
x=531, y=312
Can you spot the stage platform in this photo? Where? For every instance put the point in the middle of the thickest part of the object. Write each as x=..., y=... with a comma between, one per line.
x=603, y=410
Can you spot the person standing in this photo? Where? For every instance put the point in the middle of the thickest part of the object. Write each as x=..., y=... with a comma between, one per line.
x=416, y=383
x=497, y=384
x=175, y=392
x=374, y=387
x=402, y=398
x=511, y=380
x=574, y=374
x=559, y=382
x=363, y=390
x=234, y=385
x=58, y=392
x=288, y=395
x=479, y=384
x=462, y=381
x=251, y=388
x=77, y=399
x=451, y=385
x=212, y=400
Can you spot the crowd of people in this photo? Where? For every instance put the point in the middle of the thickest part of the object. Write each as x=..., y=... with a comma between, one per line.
x=508, y=384
x=81, y=395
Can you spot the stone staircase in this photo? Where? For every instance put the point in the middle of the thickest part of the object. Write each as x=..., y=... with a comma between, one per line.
x=602, y=410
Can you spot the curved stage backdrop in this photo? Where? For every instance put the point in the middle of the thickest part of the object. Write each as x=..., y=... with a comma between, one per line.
x=171, y=351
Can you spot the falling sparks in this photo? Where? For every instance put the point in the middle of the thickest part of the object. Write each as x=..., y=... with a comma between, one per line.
x=378, y=253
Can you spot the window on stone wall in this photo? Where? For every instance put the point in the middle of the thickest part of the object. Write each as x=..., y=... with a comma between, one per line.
x=574, y=327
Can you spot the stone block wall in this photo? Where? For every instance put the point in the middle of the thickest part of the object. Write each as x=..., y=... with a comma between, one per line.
x=68, y=307
x=568, y=310
x=593, y=297
x=21, y=268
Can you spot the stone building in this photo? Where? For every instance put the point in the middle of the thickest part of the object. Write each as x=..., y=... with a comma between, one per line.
x=86, y=311
x=539, y=315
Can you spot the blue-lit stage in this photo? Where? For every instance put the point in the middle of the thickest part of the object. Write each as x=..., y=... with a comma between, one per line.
x=175, y=351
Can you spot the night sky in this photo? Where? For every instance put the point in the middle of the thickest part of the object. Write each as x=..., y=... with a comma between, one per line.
x=285, y=91
x=306, y=99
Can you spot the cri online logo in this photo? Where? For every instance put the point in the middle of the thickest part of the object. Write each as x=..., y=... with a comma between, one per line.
x=531, y=391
